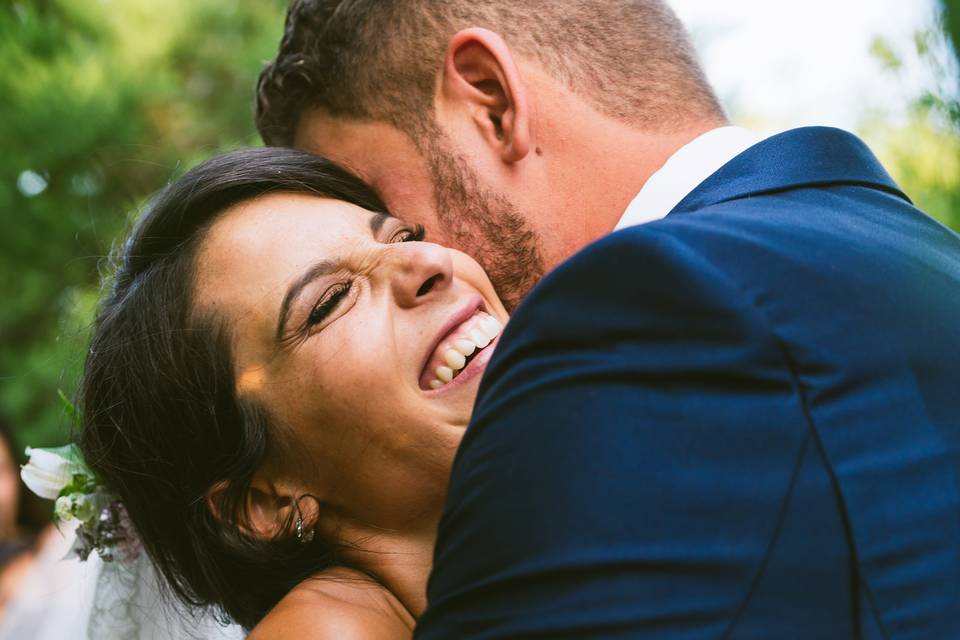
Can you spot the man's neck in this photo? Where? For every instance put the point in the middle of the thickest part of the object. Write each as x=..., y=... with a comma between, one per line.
x=684, y=171
x=596, y=164
x=619, y=163
x=626, y=161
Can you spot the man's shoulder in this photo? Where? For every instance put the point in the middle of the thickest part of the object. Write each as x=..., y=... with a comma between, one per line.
x=643, y=285
x=652, y=263
x=734, y=261
x=680, y=241
x=736, y=240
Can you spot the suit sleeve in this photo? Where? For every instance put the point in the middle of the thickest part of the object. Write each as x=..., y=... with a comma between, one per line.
x=631, y=449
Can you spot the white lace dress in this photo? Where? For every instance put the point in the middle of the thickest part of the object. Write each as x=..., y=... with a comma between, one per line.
x=64, y=599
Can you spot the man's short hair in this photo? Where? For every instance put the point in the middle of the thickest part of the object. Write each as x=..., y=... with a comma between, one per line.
x=379, y=59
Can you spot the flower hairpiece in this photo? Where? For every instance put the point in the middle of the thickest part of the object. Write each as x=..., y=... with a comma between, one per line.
x=61, y=474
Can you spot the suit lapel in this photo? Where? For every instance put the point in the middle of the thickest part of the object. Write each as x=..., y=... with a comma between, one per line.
x=812, y=156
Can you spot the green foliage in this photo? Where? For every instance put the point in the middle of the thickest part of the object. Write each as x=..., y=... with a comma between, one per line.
x=881, y=50
x=104, y=102
x=68, y=408
x=951, y=14
x=925, y=162
x=924, y=154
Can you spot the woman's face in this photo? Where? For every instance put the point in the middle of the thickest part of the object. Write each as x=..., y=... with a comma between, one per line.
x=352, y=332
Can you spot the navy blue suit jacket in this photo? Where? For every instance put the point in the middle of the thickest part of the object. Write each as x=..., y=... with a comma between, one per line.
x=740, y=421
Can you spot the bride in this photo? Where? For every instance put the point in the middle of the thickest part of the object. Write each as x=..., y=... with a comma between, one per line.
x=276, y=387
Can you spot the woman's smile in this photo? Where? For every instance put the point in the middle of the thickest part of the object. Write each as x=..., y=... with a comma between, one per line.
x=461, y=349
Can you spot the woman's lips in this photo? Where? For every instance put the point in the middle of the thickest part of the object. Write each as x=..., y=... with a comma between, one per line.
x=460, y=345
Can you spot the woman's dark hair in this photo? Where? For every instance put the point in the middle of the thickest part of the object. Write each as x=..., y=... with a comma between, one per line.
x=162, y=420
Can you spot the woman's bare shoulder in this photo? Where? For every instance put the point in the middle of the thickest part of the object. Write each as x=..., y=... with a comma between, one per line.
x=336, y=604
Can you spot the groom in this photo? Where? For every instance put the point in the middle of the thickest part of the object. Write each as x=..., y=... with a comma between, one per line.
x=729, y=405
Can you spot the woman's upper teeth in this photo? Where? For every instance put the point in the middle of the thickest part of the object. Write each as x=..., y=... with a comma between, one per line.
x=465, y=347
x=475, y=334
x=482, y=338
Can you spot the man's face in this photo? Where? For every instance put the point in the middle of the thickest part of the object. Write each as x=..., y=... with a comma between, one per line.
x=438, y=188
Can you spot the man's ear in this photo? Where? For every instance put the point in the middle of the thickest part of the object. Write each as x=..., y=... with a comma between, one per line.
x=480, y=71
x=268, y=508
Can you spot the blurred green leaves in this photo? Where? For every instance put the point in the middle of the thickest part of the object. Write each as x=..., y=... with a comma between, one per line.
x=924, y=153
x=951, y=16
x=104, y=102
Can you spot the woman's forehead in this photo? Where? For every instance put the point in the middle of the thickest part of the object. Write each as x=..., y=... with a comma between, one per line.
x=255, y=249
x=267, y=237
x=289, y=216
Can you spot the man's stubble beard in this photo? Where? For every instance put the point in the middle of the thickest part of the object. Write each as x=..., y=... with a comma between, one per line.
x=484, y=224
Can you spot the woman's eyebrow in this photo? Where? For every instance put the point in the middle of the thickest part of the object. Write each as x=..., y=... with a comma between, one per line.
x=320, y=269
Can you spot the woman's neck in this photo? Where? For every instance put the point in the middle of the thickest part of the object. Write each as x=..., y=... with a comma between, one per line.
x=401, y=562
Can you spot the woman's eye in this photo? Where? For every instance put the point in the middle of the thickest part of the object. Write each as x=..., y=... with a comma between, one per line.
x=328, y=302
x=410, y=234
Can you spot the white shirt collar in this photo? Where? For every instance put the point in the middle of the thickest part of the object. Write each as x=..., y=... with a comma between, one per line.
x=684, y=171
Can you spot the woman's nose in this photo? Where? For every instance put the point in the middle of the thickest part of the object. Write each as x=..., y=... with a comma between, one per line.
x=419, y=270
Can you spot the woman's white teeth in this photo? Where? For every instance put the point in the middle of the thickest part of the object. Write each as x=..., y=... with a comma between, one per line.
x=491, y=326
x=464, y=346
x=454, y=359
x=479, y=337
x=484, y=330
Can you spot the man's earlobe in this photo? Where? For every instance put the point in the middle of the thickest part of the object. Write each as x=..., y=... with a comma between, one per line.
x=481, y=73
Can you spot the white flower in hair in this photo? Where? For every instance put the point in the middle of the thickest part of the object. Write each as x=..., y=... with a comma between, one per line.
x=63, y=508
x=62, y=475
x=47, y=471
x=84, y=508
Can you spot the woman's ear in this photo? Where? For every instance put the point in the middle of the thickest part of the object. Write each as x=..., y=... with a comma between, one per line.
x=481, y=74
x=268, y=508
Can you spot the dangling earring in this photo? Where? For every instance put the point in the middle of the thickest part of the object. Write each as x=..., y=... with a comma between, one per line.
x=304, y=536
